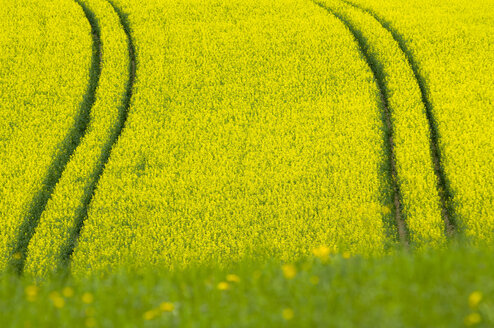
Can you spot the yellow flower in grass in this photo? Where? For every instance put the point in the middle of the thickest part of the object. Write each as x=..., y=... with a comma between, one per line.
x=287, y=314
x=150, y=315
x=386, y=210
x=87, y=298
x=57, y=300
x=474, y=299
x=472, y=319
x=223, y=286
x=68, y=292
x=167, y=307
x=31, y=292
x=232, y=278
x=346, y=254
x=321, y=252
x=289, y=271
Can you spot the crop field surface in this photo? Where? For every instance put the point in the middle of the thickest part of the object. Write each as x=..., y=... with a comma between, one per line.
x=137, y=134
x=45, y=72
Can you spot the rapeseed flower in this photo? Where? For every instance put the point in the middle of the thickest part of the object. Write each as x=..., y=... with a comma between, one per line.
x=283, y=138
x=322, y=252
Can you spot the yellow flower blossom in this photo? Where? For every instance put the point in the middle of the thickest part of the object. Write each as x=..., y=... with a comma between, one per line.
x=150, y=315
x=31, y=292
x=287, y=314
x=386, y=210
x=58, y=302
x=472, y=319
x=223, y=286
x=167, y=307
x=232, y=278
x=87, y=298
x=68, y=292
x=322, y=252
x=474, y=299
x=289, y=271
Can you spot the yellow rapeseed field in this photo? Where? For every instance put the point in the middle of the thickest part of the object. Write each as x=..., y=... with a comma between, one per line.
x=138, y=133
x=45, y=60
x=254, y=130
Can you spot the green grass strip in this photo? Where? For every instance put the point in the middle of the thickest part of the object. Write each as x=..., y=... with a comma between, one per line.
x=439, y=288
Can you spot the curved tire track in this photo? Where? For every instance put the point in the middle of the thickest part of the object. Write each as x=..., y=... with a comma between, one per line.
x=60, y=224
x=69, y=145
x=443, y=186
x=118, y=131
x=403, y=234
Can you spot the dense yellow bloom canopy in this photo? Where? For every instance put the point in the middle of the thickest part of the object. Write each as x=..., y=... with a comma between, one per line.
x=137, y=133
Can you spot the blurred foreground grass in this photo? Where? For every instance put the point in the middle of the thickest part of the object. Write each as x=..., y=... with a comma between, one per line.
x=438, y=288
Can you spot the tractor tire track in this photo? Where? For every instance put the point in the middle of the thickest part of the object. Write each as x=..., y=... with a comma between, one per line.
x=66, y=148
x=106, y=153
x=443, y=185
x=403, y=234
x=53, y=244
